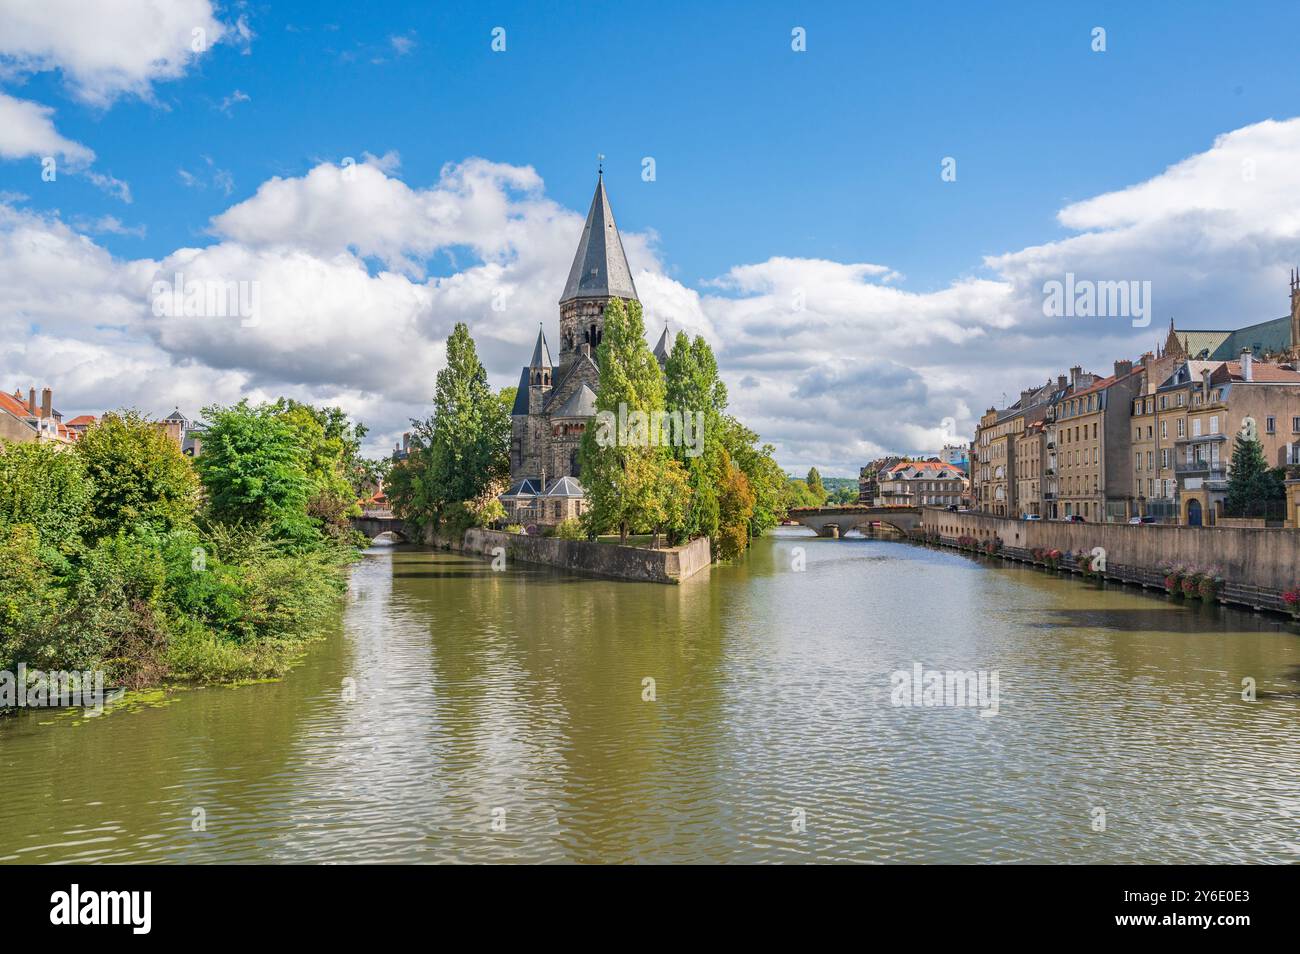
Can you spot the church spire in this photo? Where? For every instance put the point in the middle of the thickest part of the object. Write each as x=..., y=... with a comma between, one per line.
x=541, y=354
x=600, y=268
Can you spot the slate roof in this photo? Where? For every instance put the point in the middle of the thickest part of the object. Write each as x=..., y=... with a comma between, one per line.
x=564, y=487
x=581, y=403
x=1273, y=336
x=664, y=347
x=541, y=353
x=600, y=268
x=523, y=488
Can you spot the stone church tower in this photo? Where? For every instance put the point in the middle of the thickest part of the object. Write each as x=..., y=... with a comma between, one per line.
x=556, y=401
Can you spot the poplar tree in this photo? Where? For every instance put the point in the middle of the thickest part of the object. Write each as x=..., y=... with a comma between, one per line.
x=630, y=483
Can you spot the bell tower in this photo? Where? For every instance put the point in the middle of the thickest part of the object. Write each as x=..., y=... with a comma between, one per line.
x=599, y=274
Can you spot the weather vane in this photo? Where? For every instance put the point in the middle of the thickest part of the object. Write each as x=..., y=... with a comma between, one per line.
x=600, y=163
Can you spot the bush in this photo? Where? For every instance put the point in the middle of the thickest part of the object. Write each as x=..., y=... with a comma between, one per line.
x=569, y=530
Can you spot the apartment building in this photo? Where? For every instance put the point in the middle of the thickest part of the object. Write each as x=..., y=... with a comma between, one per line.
x=1031, y=457
x=1093, y=449
x=923, y=483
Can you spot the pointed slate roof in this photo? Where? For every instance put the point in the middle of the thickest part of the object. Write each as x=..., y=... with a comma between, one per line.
x=541, y=353
x=600, y=268
x=663, y=348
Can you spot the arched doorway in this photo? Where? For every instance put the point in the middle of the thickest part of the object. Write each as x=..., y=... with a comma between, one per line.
x=1193, y=513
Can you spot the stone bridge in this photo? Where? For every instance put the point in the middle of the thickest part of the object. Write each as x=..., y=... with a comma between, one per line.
x=837, y=521
x=376, y=523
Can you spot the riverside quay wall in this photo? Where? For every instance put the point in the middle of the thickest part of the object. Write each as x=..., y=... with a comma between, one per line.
x=1258, y=565
x=599, y=559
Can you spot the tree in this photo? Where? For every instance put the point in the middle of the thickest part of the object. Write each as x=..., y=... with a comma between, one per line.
x=43, y=486
x=767, y=482
x=1253, y=489
x=694, y=391
x=625, y=474
x=736, y=503
x=139, y=477
x=463, y=448
x=254, y=469
x=816, y=487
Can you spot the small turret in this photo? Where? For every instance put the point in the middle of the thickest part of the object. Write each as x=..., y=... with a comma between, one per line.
x=540, y=370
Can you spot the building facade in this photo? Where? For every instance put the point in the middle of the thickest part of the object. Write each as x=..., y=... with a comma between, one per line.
x=556, y=399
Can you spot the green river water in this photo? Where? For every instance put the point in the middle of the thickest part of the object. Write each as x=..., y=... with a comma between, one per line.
x=500, y=716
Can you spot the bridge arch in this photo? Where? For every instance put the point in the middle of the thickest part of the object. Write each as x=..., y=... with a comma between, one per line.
x=837, y=521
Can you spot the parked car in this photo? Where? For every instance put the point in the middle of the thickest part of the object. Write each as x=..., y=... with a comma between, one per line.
x=1030, y=516
x=1146, y=519
x=1074, y=518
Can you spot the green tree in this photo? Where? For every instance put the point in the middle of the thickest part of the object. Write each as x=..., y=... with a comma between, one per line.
x=254, y=470
x=1253, y=489
x=736, y=500
x=625, y=474
x=44, y=486
x=694, y=390
x=816, y=487
x=462, y=450
x=767, y=482
x=139, y=477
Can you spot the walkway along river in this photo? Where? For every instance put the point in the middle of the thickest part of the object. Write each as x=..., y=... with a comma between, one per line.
x=506, y=716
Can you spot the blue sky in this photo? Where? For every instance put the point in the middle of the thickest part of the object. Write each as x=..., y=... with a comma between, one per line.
x=760, y=151
x=762, y=154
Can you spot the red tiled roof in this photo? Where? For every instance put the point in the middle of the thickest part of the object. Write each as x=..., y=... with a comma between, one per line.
x=13, y=406
x=82, y=419
x=1260, y=373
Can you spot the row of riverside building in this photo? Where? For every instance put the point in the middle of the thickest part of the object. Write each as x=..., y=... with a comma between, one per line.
x=1154, y=438
x=25, y=421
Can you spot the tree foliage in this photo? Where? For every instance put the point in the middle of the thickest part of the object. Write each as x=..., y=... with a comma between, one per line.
x=1253, y=489
x=138, y=476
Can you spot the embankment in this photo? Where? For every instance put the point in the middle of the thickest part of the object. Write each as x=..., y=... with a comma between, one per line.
x=598, y=559
x=1258, y=565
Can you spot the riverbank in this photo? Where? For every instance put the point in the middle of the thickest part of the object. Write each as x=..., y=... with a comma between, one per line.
x=639, y=564
x=1257, y=565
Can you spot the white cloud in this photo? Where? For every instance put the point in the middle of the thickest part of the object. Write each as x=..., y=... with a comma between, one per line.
x=108, y=50
x=362, y=277
x=27, y=129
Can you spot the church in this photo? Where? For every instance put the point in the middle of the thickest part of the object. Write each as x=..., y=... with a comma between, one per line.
x=557, y=399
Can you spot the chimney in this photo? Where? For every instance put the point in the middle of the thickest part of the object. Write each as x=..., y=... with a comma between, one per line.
x=1205, y=383
x=47, y=404
x=1247, y=364
x=1074, y=374
x=406, y=441
x=1024, y=397
x=1061, y=381
x=1123, y=368
x=31, y=401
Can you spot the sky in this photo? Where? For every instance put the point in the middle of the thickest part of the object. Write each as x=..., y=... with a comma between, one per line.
x=863, y=228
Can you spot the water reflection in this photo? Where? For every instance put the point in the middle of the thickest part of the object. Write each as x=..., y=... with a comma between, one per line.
x=464, y=714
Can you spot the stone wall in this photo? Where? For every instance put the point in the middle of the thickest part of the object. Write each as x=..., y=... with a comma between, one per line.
x=598, y=559
x=1267, y=560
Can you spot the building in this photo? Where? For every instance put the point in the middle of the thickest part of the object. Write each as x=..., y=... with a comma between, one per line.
x=1236, y=397
x=869, y=479
x=922, y=483
x=956, y=454
x=1031, y=456
x=1093, y=450
x=994, y=482
x=556, y=400
x=186, y=434
x=28, y=422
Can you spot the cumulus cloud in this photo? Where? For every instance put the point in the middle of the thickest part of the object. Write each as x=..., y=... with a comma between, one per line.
x=361, y=277
x=27, y=129
x=108, y=50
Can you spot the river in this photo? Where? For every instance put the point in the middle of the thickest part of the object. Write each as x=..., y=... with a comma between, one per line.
x=462, y=714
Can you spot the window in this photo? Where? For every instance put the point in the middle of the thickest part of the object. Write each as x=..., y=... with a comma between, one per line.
x=1196, y=427
x=1164, y=430
x=1295, y=425
x=1164, y=401
x=1214, y=423
x=1270, y=425
x=1182, y=427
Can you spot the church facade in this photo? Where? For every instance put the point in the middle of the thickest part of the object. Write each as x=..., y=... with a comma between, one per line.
x=556, y=398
